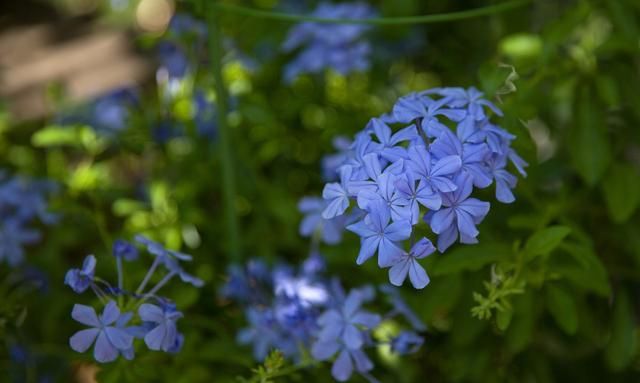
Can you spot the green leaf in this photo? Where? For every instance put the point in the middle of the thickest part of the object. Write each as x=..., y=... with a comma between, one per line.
x=545, y=241
x=584, y=269
x=468, y=258
x=503, y=318
x=520, y=331
x=588, y=140
x=622, y=192
x=621, y=348
x=56, y=136
x=563, y=308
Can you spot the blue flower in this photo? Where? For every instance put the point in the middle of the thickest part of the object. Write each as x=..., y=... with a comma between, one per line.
x=342, y=331
x=330, y=229
x=329, y=45
x=22, y=200
x=388, y=142
x=377, y=234
x=337, y=195
x=407, y=342
x=109, y=339
x=434, y=175
x=402, y=308
x=163, y=335
x=459, y=215
x=408, y=264
x=80, y=279
x=170, y=259
x=474, y=156
x=265, y=333
x=110, y=112
x=124, y=249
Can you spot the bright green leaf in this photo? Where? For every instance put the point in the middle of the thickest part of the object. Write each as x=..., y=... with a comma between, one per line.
x=56, y=136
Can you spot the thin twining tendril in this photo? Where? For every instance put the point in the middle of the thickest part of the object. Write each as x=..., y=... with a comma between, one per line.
x=404, y=20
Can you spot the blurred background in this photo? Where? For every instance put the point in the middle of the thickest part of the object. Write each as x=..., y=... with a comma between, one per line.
x=114, y=103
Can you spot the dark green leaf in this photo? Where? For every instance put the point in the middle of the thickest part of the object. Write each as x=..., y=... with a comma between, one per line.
x=588, y=140
x=468, y=258
x=622, y=344
x=545, y=241
x=622, y=192
x=562, y=307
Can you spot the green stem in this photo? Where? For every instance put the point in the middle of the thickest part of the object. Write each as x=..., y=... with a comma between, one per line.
x=424, y=19
x=228, y=181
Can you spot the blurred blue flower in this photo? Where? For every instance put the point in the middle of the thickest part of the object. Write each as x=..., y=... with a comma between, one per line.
x=109, y=339
x=313, y=222
x=407, y=342
x=124, y=249
x=22, y=201
x=336, y=46
x=81, y=279
x=164, y=334
x=341, y=330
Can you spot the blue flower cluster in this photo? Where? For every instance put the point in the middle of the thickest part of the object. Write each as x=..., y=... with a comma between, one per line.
x=22, y=202
x=114, y=331
x=178, y=59
x=297, y=311
x=323, y=46
x=419, y=163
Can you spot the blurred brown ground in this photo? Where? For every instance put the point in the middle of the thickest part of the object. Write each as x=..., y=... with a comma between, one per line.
x=39, y=47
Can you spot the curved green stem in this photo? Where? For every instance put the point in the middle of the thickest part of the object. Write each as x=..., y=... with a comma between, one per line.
x=406, y=20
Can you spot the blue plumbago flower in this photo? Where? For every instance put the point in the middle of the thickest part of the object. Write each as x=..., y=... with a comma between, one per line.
x=330, y=229
x=379, y=235
x=22, y=201
x=407, y=342
x=110, y=112
x=108, y=338
x=323, y=46
x=459, y=215
x=344, y=330
x=299, y=311
x=153, y=323
x=170, y=259
x=164, y=334
x=81, y=279
x=421, y=160
x=400, y=307
x=124, y=249
x=408, y=264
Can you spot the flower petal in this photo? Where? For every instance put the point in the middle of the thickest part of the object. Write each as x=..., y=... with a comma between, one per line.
x=85, y=315
x=104, y=351
x=83, y=339
x=343, y=367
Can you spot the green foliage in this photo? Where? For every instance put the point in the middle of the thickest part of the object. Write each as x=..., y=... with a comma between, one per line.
x=548, y=294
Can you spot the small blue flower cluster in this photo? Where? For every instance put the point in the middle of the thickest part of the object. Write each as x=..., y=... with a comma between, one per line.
x=184, y=36
x=177, y=54
x=107, y=114
x=22, y=201
x=444, y=146
x=338, y=47
x=296, y=311
x=114, y=331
